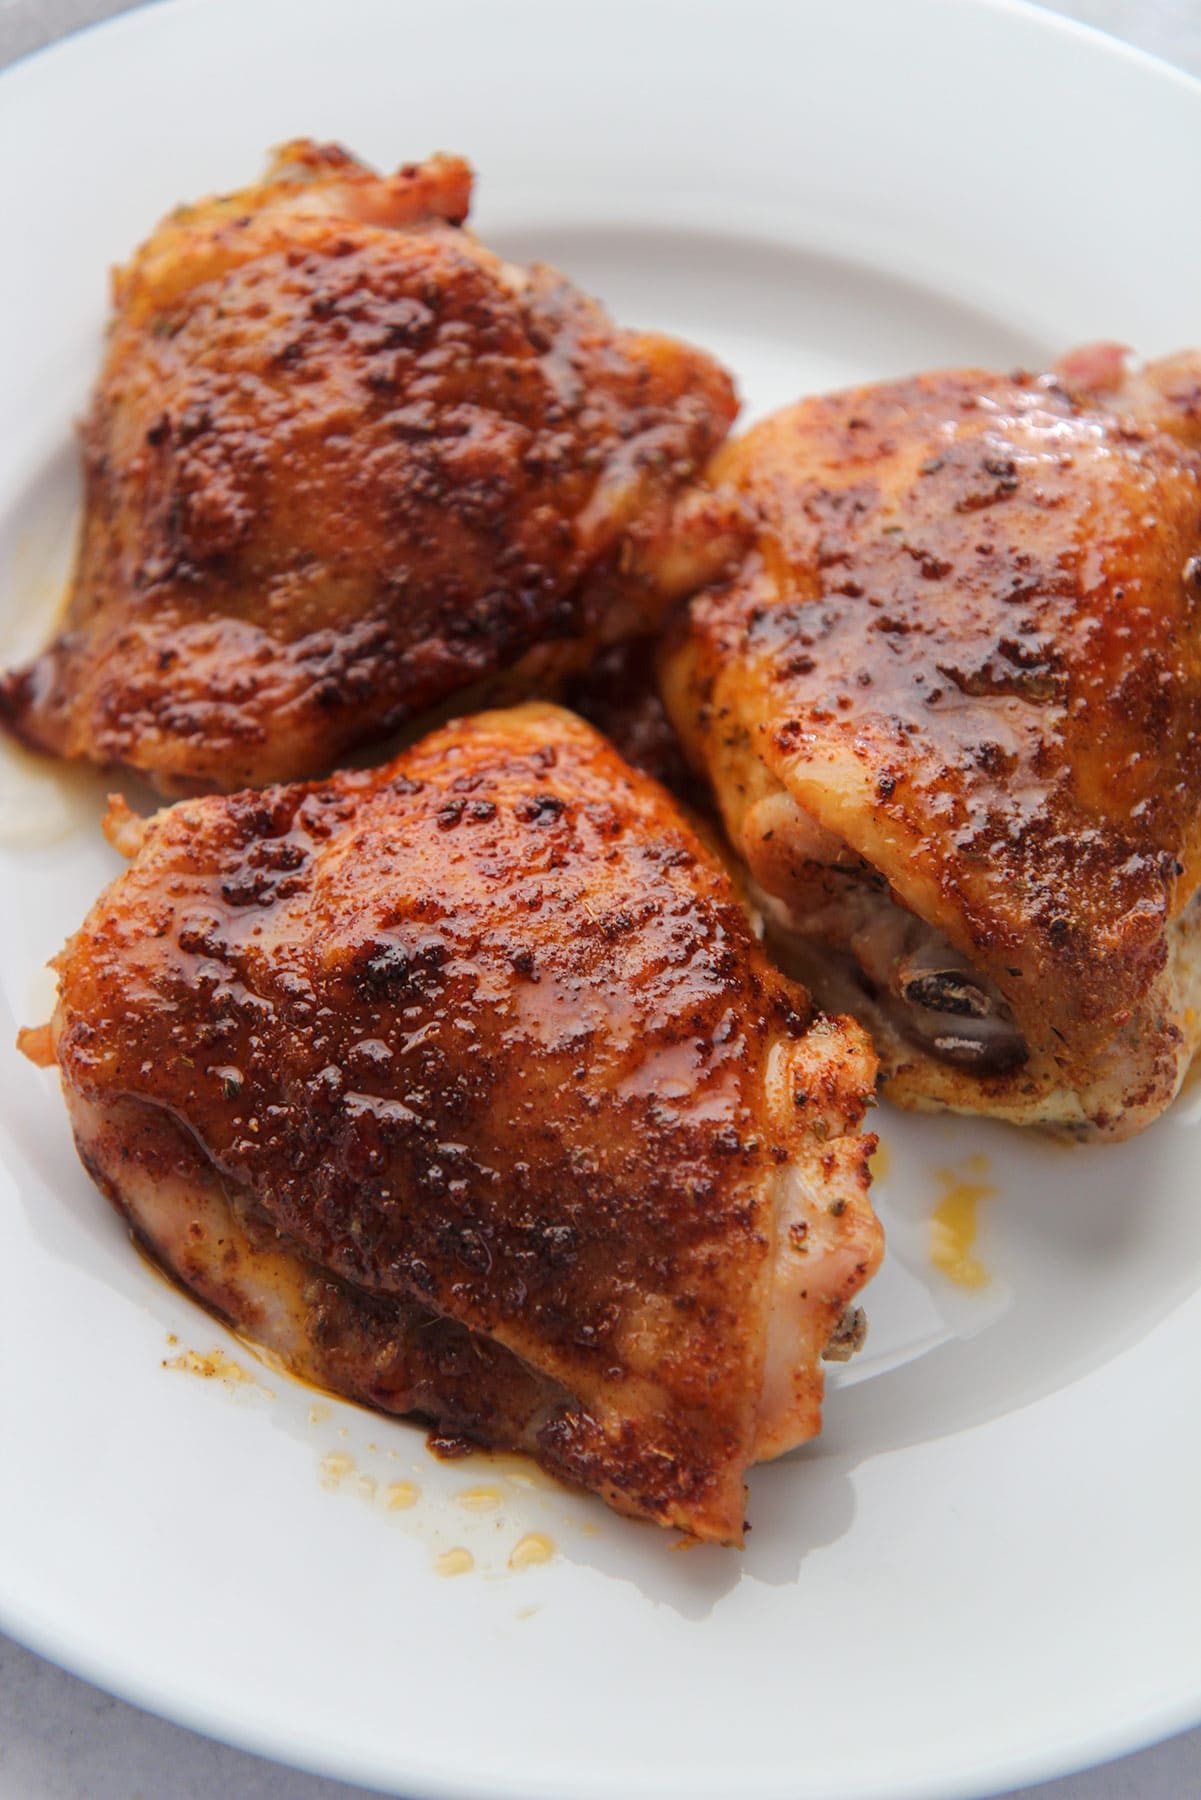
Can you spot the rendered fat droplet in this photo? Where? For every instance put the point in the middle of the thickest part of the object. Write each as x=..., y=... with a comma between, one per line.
x=480, y=1499
x=454, y=1562
x=530, y=1550
x=954, y=1223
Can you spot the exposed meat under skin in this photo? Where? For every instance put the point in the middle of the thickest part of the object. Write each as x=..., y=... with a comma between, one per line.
x=342, y=464
x=950, y=706
x=464, y=1085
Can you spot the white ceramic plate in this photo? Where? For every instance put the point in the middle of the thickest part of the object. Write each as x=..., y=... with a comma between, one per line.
x=987, y=1570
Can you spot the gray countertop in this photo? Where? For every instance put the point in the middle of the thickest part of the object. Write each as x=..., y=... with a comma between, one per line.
x=63, y=1740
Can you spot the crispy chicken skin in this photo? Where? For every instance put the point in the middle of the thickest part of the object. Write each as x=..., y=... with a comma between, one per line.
x=342, y=462
x=951, y=708
x=464, y=1085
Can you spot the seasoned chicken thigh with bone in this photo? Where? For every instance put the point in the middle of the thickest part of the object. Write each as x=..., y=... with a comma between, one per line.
x=343, y=463
x=464, y=1086
x=950, y=706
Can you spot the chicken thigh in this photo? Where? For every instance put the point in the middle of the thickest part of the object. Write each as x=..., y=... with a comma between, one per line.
x=343, y=463
x=464, y=1085
x=951, y=709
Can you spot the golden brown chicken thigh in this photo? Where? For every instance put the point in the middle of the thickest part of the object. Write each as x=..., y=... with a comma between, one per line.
x=343, y=462
x=464, y=1085
x=951, y=708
